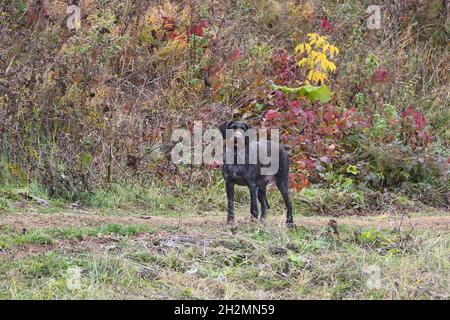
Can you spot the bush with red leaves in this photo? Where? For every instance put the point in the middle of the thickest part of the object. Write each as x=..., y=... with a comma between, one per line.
x=198, y=29
x=414, y=127
x=379, y=75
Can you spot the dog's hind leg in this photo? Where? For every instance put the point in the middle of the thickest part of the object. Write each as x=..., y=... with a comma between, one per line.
x=230, y=202
x=283, y=185
x=265, y=199
x=253, y=200
x=264, y=186
x=262, y=197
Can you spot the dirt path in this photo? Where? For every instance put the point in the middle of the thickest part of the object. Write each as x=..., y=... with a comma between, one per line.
x=216, y=222
x=77, y=219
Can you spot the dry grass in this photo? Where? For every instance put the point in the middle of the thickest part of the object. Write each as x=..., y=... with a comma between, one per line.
x=206, y=260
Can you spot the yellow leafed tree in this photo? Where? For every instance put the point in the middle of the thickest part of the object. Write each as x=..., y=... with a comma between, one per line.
x=316, y=55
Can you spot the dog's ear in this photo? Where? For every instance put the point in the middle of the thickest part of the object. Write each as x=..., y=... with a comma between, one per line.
x=223, y=128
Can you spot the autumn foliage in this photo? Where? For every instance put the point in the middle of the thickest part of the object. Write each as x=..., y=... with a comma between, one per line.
x=85, y=109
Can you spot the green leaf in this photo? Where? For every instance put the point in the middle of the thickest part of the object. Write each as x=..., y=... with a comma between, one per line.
x=86, y=159
x=204, y=13
x=321, y=94
x=259, y=106
x=352, y=169
x=296, y=259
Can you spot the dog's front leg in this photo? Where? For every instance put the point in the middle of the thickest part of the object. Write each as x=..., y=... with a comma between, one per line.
x=253, y=201
x=230, y=199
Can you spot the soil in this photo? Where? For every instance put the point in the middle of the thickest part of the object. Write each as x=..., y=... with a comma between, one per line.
x=27, y=221
x=74, y=219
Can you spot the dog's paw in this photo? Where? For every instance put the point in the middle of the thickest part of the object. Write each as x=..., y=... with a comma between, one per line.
x=230, y=222
x=290, y=225
x=232, y=226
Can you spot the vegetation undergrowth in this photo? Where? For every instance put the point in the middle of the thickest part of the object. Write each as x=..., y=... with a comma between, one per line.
x=89, y=110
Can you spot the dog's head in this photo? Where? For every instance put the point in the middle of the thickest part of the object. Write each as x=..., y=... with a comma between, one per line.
x=239, y=129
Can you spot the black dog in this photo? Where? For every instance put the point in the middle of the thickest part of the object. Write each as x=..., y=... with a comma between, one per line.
x=250, y=174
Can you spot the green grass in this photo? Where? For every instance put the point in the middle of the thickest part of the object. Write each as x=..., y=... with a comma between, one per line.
x=46, y=236
x=260, y=261
x=80, y=233
x=155, y=198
